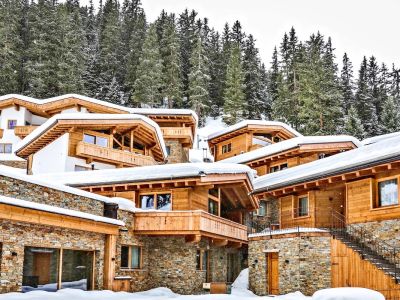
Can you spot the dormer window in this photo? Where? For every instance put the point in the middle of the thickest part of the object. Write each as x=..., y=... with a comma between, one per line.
x=227, y=148
x=95, y=140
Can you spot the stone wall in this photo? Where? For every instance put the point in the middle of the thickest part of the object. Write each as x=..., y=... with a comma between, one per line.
x=271, y=216
x=15, y=236
x=304, y=263
x=21, y=164
x=40, y=194
x=387, y=231
x=177, y=154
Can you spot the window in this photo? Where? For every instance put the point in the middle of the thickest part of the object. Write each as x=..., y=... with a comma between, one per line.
x=202, y=260
x=81, y=168
x=302, y=206
x=262, y=211
x=277, y=168
x=160, y=201
x=168, y=150
x=227, y=148
x=131, y=257
x=388, y=192
x=277, y=139
x=5, y=148
x=95, y=139
x=213, y=207
x=11, y=124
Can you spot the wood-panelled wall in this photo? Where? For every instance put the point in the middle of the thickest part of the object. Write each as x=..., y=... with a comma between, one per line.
x=348, y=269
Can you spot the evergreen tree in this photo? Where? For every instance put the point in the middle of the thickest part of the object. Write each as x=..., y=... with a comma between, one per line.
x=395, y=84
x=353, y=125
x=172, y=87
x=347, y=83
x=234, y=96
x=199, y=80
x=148, y=83
x=274, y=77
x=390, y=117
x=216, y=68
x=11, y=44
x=237, y=35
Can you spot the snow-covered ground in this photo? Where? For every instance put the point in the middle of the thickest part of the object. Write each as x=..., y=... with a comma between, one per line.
x=239, y=292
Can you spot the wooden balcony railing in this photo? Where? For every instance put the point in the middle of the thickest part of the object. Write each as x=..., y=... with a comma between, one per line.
x=197, y=223
x=23, y=131
x=184, y=133
x=114, y=156
x=1, y=133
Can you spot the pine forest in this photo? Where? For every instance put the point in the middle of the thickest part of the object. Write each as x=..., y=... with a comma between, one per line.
x=113, y=53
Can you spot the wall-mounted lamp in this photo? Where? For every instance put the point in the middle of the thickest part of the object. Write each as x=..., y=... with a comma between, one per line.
x=14, y=254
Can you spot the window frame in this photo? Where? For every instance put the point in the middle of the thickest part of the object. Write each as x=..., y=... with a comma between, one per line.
x=154, y=194
x=227, y=148
x=279, y=166
x=140, y=247
x=3, y=146
x=296, y=206
x=8, y=123
x=265, y=206
x=97, y=135
x=216, y=199
x=376, y=202
x=201, y=253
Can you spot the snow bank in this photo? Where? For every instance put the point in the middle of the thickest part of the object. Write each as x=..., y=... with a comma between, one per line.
x=290, y=144
x=347, y=294
x=240, y=287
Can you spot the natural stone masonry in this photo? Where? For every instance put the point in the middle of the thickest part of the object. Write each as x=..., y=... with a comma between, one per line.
x=304, y=263
x=40, y=194
x=177, y=154
x=15, y=236
x=387, y=231
x=271, y=216
x=14, y=163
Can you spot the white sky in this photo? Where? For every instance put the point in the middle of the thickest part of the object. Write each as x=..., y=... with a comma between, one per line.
x=358, y=27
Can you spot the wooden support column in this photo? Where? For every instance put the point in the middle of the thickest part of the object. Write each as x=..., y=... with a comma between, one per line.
x=131, y=142
x=109, y=261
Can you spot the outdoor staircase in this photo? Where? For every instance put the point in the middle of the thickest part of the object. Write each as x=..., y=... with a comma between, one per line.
x=379, y=253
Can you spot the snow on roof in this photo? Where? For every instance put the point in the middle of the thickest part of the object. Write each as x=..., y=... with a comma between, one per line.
x=147, y=173
x=373, y=154
x=287, y=145
x=144, y=111
x=58, y=210
x=253, y=122
x=379, y=138
x=79, y=116
x=268, y=232
x=16, y=174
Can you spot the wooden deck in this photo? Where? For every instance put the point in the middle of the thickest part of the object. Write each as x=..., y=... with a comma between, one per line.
x=195, y=224
x=114, y=156
x=23, y=131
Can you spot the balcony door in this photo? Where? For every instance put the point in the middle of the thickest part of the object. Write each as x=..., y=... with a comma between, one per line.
x=273, y=273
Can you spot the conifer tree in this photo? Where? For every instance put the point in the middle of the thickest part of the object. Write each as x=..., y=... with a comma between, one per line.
x=234, y=96
x=353, y=125
x=390, y=117
x=274, y=77
x=148, y=83
x=395, y=84
x=172, y=83
x=347, y=83
x=217, y=75
x=199, y=80
x=11, y=45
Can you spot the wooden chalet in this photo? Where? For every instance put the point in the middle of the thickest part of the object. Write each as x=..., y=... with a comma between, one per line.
x=355, y=196
x=247, y=136
x=115, y=140
x=293, y=152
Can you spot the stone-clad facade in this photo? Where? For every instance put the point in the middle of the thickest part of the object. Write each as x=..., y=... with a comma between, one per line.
x=20, y=164
x=23, y=190
x=177, y=153
x=387, y=231
x=14, y=237
x=304, y=262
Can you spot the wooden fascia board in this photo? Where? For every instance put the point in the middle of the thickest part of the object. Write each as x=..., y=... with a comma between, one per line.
x=27, y=215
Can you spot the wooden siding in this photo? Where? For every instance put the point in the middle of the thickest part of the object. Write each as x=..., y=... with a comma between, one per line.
x=240, y=143
x=184, y=134
x=23, y=131
x=1, y=133
x=349, y=270
x=189, y=223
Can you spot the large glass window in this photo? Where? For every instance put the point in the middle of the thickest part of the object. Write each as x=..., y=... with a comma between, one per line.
x=213, y=207
x=40, y=270
x=160, y=201
x=131, y=257
x=77, y=269
x=95, y=139
x=302, y=207
x=388, y=192
x=263, y=209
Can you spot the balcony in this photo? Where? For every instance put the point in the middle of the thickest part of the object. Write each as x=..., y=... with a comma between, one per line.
x=1, y=133
x=179, y=133
x=192, y=224
x=23, y=131
x=113, y=156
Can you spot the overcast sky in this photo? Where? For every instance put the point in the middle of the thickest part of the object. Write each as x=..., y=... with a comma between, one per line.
x=358, y=27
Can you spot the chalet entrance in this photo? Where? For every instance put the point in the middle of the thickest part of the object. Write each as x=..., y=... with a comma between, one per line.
x=273, y=273
x=41, y=267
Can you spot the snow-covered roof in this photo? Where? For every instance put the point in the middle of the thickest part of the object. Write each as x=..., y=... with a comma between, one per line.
x=289, y=144
x=147, y=173
x=144, y=111
x=58, y=210
x=255, y=123
x=379, y=138
x=16, y=174
x=79, y=116
x=267, y=232
x=384, y=151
